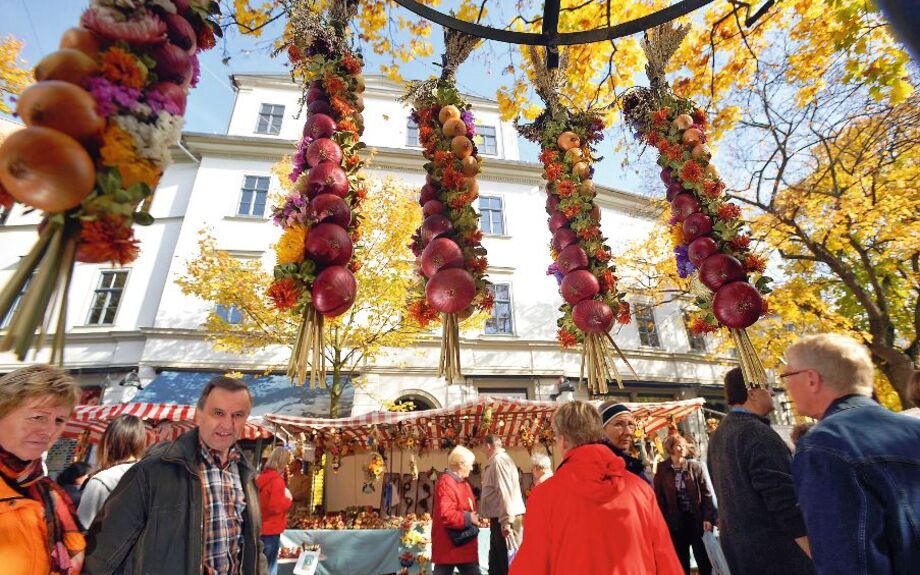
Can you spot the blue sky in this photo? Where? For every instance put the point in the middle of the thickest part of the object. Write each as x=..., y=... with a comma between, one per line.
x=39, y=26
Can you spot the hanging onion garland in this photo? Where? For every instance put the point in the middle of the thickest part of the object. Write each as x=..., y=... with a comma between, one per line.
x=583, y=264
x=451, y=260
x=99, y=124
x=711, y=243
x=314, y=274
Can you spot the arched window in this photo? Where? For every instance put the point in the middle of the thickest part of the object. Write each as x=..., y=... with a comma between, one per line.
x=419, y=402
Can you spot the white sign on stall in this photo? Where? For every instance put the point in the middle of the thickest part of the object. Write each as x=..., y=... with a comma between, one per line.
x=306, y=563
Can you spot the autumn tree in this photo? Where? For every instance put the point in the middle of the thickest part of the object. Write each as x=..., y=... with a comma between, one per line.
x=377, y=320
x=14, y=78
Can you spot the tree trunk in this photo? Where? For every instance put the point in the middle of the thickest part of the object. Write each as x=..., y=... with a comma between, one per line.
x=897, y=367
x=335, y=389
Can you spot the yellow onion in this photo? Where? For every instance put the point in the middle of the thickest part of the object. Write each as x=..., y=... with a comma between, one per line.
x=683, y=121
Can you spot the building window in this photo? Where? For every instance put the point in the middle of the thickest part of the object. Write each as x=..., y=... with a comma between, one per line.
x=486, y=141
x=412, y=139
x=253, y=196
x=229, y=313
x=491, y=218
x=503, y=392
x=697, y=340
x=500, y=322
x=107, y=297
x=270, y=117
x=16, y=301
x=645, y=321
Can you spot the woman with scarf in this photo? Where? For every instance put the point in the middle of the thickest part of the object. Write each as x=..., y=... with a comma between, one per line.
x=39, y=534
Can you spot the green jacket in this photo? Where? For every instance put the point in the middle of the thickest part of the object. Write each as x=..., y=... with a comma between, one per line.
x=152, y=523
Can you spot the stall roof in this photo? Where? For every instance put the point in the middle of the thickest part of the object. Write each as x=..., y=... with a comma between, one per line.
x=164, y=421
x=510, y=419
x=270, y=393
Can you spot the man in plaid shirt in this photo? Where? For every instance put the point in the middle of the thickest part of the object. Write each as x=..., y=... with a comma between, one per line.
x=190, y=506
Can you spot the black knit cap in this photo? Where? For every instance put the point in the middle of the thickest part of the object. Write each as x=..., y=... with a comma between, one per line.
x=612, y=411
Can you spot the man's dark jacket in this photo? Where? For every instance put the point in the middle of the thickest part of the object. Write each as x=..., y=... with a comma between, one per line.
x=759, y=516
x=152, y=523
x=858, y=475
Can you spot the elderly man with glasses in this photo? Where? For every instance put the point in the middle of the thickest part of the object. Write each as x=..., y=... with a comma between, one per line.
x=857, y=472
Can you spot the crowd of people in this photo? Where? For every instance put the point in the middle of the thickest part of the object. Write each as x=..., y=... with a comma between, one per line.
x=846, y=502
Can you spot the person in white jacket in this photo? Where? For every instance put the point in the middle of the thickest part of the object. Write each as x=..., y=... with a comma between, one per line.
x=123, y=443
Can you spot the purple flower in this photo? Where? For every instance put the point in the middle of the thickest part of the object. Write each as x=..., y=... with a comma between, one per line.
x=553, y=270
x=196, y=71
x=684, y=266
x=415, y=117
x=467, y=117
x=158, y=102
x=294, y=210
x=300, y=158
x=110, y=98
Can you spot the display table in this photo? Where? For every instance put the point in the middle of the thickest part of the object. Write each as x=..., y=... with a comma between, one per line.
x=352, y=551
x=359, y=551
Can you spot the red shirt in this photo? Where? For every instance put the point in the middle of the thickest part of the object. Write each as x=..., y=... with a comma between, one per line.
x=273, y=502
x=453, y=503
x=593, y=516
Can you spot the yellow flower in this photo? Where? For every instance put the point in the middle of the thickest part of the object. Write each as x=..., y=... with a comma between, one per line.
x=290, y=246
x=677, y=234
x=117, y=151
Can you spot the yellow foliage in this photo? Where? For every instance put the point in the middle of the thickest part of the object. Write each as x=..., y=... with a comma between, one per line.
x=376, y=321
x=14, y=76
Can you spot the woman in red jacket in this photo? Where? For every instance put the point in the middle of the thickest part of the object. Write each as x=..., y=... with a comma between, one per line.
x=274, y=501
x=454, y=510
x=592, y=517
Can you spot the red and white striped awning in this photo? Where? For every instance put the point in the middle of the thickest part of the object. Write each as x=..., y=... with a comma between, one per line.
x=164, y=421
x=510, y=418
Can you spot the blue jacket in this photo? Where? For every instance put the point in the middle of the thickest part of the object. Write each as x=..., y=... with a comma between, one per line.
x=857, y=474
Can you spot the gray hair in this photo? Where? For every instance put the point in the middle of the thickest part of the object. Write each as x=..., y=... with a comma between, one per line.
x=844, y=364
x=541, y=461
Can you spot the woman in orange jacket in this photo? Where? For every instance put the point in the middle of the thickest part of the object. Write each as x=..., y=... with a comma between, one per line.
x=38, y=529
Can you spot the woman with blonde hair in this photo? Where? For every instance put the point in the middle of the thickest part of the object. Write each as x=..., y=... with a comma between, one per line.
x=274, y=502
x=122, y=444
x=454, y=522
x=39, y=534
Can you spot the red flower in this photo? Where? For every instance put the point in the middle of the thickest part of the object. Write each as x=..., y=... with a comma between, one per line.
x=691, y=172
x=608, y=280
x=206, y=39
x=660, y=117
x=729, y=212
x=351, y=64
x=285, y=293
x=477, y=265
x=765, y=308
x=571, y=210
x=553, y=171
x=589, y=233
x=442, y=159
x=487, y=302
x=567, y=188
x=422, y=313
x=566, y=338
x=653, y=139
x=473, y=237
x=623, y=314
x=754, y=263
x=451, y=178
x=699, y=326
x=602, y=255
x=699, y=117
x=107, y=240
x=354, y=265
x=295, y=54
x=547, y=156
x=713, y=189
x=673, y=151
x=740, y=242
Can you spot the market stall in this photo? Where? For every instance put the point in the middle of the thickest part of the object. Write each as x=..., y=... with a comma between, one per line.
x=378, y=472
x=164, y=421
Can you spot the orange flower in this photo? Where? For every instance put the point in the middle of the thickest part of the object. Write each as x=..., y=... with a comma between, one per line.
x=699, y=326
x=351, y=64
x=107, y=240
x=601, y=255
x=673, y=151
x=765, y=308
x=754, y=263
x=623, y=314
x=660, y=117
x=653, y=139
x=295, y=54
x=699, y=117
x=566, y=338
x=333, y=83
x=571, y=210
x=473, y=237
x=548, y=156
x=487, y=302
x=422, y=313
x=285, y=293
x=478, y=265
x=341, y=106
x=729, y=212
x=206, y=39
x=691, y=172
x=713, y=188
x=589, y=233
x=567, y=188
x=442, y=159
x=740, y=242
x=451, y=178
x=553, y=171
x=121, y=67
x=347, y=126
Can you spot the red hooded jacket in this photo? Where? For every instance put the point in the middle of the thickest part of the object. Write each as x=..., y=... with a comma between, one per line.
x=453, y=504
x=273, y=502
x=594, y=517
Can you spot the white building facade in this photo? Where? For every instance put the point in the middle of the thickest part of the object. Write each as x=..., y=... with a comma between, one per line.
x=136, y=320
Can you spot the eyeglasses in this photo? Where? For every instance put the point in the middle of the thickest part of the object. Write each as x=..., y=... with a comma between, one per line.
x=791, y=373
x=624, y=424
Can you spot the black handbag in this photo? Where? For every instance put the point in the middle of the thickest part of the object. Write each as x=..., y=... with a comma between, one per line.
x=462, y=536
